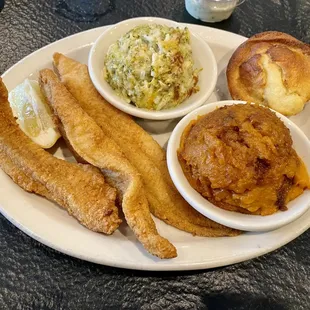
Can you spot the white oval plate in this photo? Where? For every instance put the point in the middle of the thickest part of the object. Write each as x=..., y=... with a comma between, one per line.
x=52, y=226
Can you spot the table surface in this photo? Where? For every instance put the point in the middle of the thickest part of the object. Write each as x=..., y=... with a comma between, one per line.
x=33, y=276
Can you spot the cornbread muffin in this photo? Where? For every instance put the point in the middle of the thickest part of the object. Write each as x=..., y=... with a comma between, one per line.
x=271, y=68
x=240, y=158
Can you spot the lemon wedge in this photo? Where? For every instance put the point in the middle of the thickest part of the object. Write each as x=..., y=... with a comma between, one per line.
x=33, y=114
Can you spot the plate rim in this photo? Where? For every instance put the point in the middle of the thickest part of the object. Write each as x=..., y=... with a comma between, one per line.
x=153, y=267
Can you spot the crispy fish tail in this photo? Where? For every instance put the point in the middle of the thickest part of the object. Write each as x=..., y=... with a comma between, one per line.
x=91, y=144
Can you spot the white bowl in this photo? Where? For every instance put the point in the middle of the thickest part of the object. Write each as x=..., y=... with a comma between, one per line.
x=202, y=54
x=237, y=220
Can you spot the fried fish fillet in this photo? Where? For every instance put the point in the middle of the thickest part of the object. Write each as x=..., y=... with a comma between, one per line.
x=143, y=152
x=21, y=179
x=90, y=143
x=80, y=189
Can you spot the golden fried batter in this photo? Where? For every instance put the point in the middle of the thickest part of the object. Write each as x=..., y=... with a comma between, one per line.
x=90, y=143
x=142, y=151
x=80, y=189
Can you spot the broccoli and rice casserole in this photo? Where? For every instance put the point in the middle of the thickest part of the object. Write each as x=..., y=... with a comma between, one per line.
x=152, y=67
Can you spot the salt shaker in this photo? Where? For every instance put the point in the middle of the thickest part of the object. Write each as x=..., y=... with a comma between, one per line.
x=211, y=10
